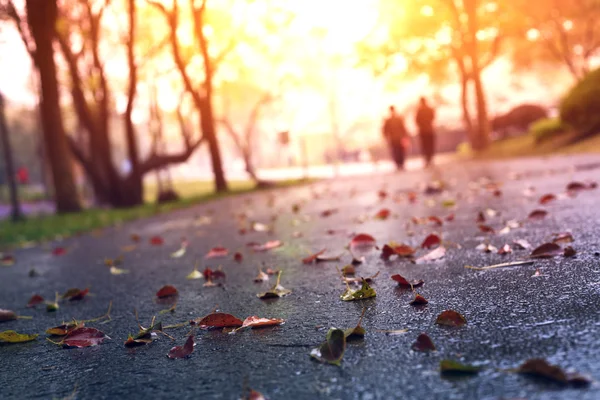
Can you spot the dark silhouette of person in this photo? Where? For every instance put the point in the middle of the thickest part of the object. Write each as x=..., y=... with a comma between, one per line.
x=395, y=133
x=424, y=120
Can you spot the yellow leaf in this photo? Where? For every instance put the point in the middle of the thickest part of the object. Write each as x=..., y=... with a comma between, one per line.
x=118, y=271
x=128, y=248
x=195, y=274
x=14, y=337
x=179, y=253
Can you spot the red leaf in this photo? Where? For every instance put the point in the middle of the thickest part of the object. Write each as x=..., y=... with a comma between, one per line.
x=486, y=228
x=362, y=243
x=79, y=295
x=450, y=318
x=569, y=252
x=403, y=282
x=156, y=240
x=268, y=246
x=431, y=241
x=435, y=220
x=83, y=337
x=313, y=257
x=257, y=322
x=329, y=212
x=401, y=250
x=59, y=251
x=538, y=214
x=183, y=351
x=7, y=315
x=423, y=343
x=382, y=194
x=450, y=217
x=418, y=300
x=383, y=214
x=238, y=257
x=546, y=250
x=433, y=255
x=166, y=291
x=577, y=186
x=217, y=320
x=35, y=300
x=412, y=197
x=547, y=198
x=7, y=260
x=480, y=218
x=216, y=252
x=505, y=250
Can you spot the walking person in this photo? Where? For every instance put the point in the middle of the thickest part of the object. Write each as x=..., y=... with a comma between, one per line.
x=424, y=120
x=395, y=134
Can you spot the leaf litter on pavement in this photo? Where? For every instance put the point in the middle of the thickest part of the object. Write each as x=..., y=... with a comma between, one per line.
x=76, y=334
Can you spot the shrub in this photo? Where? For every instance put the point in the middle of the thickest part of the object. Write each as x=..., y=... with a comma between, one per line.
x=579, y=108
x=546, y=128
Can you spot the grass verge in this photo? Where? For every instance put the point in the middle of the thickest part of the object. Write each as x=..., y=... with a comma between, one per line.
x=37, y=229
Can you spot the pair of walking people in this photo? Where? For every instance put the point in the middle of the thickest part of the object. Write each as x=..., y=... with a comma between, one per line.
x=397, y=137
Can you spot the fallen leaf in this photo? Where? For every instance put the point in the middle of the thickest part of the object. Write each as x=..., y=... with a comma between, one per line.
x=505, y=250
x=14, y=337
x=217, y=252
x=217, y=320
x=83, y=337
x=268, y=246
x=348, y=270
x=450, y=318
x=502, y=265
x=394, y=332
x=166, y=291
x=6, y=260
x=35, y=300
x=383, y=214
x=368, y=279
x=418, y=300
x=276, y=291
x=144, y=336
x=480, y=217
x=450, y=367
x=486, y=248
x=134, y=237
x=538, y=215
x=195, y=274
x=437, y=221
x=542, y=369
x=238, y=257
x=434, y=255
x=547, y=198
x=522, y=244
x=128, y=248
x=257, y=322
x=569, y=252
x=258, y=227
x=578, y=186
x=364, y=292
x=362, y=243
x=485, y=228
x=181, y=252
x=156, y=241
x=403, y=282
x=118, y=271
x=254, y=395
x=183, y=351
x=449, y=217
x=448, y=203
x=423, y=343
x=313, y=257
x=328, y=257
x=329, y=212
x=400, y=250
x=261, y=277
x=75, y=294
x=64, y=329
x=59, y=251
x=431, y=241
x=546, y=250
x=564, y=237
x=358, y=332
x=332, y=350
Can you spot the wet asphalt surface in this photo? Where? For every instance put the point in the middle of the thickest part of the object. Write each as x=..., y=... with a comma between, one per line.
x=511, y=315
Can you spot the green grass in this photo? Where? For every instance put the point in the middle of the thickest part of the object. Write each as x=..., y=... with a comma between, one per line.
x=36, y=229
x=526, y=146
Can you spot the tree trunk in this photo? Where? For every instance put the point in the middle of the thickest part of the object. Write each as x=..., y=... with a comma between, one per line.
x=466, y=114
x=207, y=127
x=482, y=137
x=15, y=212
x=247, y=155
x=41, y=16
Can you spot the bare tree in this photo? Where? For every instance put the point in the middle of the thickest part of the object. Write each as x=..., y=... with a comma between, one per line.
x=16, y=213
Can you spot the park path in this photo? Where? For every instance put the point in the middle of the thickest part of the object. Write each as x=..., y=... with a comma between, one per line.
x=512, y=315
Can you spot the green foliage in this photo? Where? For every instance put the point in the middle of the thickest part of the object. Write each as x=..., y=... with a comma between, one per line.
x=579, y=108
x=546, y=128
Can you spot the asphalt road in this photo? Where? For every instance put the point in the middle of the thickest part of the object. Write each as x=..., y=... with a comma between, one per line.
x=511, y=315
